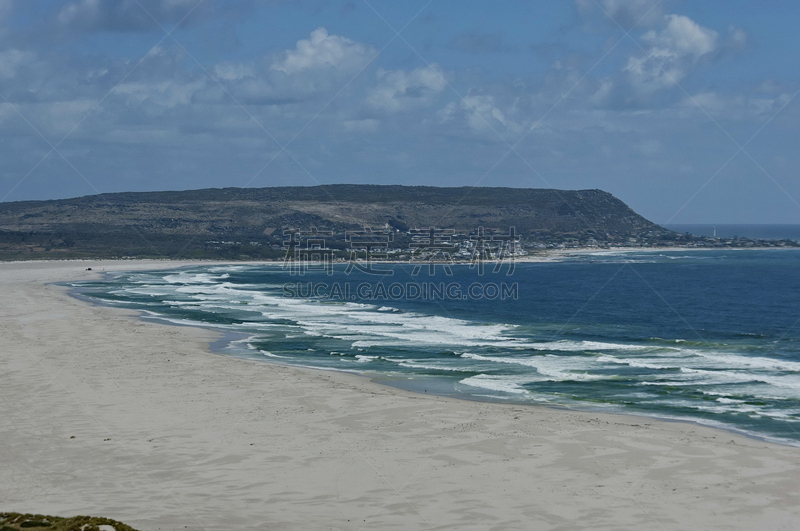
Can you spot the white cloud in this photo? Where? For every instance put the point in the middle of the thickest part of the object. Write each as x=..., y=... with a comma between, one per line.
x=483, y=114
x=11, y=60
x=683, y=37
x=234, y=71
x=733, y=107
x=770, y=86
x=324, y=51
x=315, y=65
x=673, y=52
x=368, y=125
x=164, y=94
x=603, y=93
x=398, y=90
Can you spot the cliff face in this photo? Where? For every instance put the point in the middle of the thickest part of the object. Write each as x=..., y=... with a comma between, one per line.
x=157, y=223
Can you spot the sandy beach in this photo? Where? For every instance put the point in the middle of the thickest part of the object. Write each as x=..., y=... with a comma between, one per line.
x=103, y=413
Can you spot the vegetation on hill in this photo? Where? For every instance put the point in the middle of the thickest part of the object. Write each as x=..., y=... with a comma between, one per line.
x=17, y=521
x=251, y=223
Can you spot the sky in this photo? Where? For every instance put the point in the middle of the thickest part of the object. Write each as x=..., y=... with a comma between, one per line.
x=687, y=111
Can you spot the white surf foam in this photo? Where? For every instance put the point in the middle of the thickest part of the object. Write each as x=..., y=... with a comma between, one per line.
x=550, y=367
x=494, y=383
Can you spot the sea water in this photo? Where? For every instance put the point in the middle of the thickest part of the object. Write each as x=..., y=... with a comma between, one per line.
x=707, y=336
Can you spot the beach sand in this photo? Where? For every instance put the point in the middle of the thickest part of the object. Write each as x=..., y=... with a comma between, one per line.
x=103, y=413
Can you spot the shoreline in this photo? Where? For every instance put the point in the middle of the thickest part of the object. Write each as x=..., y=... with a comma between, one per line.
x=548, y=256
x=392, y=458
x=219, y=345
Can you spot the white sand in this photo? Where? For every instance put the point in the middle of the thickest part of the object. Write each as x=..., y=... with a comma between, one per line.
x=170, y=436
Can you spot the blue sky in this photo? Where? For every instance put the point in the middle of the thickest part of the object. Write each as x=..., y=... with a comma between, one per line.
x=684, y=110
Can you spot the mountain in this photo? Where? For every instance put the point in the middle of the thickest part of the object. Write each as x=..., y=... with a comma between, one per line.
x=249, y=222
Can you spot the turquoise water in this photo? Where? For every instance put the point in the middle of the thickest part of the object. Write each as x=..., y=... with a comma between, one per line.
x=708, y=336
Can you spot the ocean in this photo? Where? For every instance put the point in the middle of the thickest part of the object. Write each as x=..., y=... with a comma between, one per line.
x=709, y=336
x=753, y=231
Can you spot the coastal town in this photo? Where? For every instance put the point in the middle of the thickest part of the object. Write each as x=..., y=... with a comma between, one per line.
x=435, y=244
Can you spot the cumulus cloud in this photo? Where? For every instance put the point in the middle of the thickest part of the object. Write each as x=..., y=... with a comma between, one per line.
x=321, y=63
x=398, y=90
x=234, y=71
x=164, y=94
x=487, y=114
x=683, y=37
x=672, y=53
x=483, y=113
x=321, y=51
x=11, y=61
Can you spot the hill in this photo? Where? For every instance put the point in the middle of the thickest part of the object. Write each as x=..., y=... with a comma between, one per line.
x=249, y=222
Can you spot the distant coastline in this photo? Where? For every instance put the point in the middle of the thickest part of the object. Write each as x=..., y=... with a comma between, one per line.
x=335, y=223
x=553, y=255
x=763, y=231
